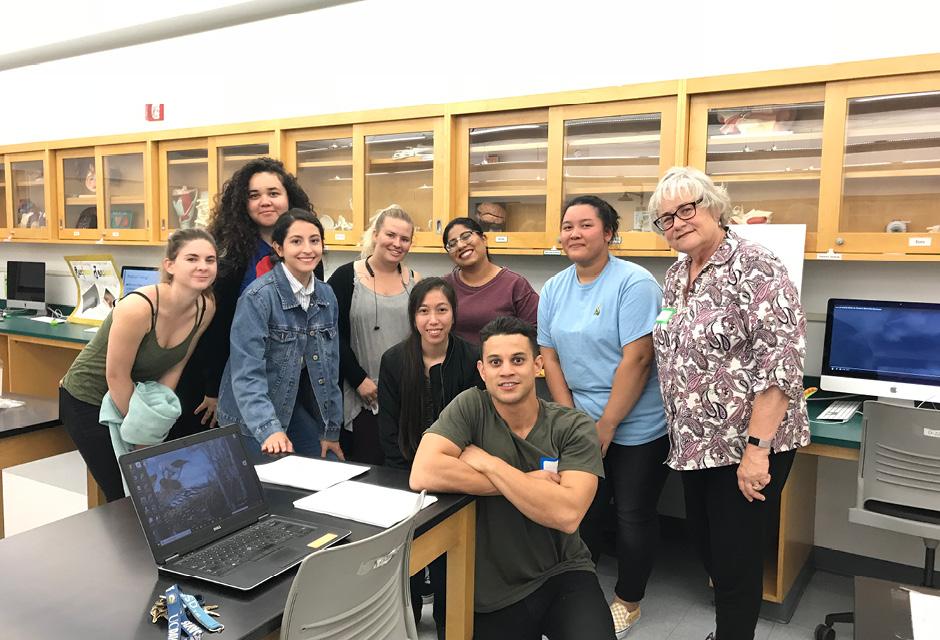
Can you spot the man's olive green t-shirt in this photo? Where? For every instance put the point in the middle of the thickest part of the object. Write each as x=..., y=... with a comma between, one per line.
x=514, y=555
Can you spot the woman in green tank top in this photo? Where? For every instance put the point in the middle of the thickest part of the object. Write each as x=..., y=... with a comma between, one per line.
x=148, y=336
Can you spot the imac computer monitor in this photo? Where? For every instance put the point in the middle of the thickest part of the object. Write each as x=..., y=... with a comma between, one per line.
x=26, y=285
x=136, y=277
x=885, y=349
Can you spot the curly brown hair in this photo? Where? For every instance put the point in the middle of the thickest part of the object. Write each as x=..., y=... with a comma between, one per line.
x=234, y=231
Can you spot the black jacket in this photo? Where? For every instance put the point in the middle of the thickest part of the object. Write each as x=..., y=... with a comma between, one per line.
x=457, y=373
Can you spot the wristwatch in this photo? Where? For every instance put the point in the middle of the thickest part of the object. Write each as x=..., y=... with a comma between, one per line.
x=757, y=442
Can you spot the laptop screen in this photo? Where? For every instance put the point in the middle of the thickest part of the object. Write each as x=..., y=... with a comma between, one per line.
x=189, y=493
x=137, y=277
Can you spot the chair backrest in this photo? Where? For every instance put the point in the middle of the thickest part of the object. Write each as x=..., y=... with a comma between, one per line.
x=359, y=590
x=899, y=464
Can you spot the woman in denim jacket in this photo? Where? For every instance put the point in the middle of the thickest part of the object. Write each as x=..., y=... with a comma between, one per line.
x=281, y=383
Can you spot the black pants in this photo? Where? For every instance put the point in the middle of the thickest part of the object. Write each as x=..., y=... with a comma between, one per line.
x=93, y=441
x=362, y=443
x=730, y=534
x=635, y=477
x=437, y=573
x=569, y=606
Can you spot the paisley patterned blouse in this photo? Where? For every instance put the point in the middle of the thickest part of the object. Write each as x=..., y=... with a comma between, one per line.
x=740, y=331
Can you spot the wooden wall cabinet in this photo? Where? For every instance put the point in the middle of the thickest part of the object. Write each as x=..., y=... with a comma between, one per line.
x=323, y=160
x=5, y=220
x=227, y=154
x=882, y=165
x=29, y=194
x=105, y=193
x=765, y=146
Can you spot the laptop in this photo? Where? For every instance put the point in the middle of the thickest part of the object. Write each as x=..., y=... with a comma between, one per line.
x=202, y=508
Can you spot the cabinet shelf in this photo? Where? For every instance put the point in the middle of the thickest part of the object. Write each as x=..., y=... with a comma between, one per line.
x=241, y=158
x=882, y=172
x=81, y=200
x=326, y=164
x=507, y=192
x=126, y=199
x=179, y=161
x=776, y=136
x=638, y=138
x=508, y=146
x=505, y=166
x=613, y=161
x=769, y=176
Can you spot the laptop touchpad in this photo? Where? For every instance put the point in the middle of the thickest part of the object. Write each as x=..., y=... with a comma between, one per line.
x=283, y=556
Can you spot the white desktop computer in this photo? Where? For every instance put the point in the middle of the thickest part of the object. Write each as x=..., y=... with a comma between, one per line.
x=882, y=348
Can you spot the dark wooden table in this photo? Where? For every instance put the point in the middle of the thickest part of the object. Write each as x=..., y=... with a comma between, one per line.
x=92, y=575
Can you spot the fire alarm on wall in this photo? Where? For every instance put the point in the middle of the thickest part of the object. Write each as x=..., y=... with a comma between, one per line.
x=154, y=112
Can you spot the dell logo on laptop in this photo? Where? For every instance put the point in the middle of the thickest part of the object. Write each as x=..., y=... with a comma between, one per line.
x=217, y=527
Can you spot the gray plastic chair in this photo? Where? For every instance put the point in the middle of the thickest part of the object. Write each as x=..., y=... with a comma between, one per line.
x=898, y=482
x=355, y=591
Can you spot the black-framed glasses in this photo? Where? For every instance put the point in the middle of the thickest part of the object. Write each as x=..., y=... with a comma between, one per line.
x=464, y=237
x=683, y=212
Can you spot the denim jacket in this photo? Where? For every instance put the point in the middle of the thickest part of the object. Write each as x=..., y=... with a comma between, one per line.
x=272, y=337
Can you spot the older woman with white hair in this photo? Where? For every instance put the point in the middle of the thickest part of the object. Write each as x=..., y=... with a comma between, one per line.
x=730, y=343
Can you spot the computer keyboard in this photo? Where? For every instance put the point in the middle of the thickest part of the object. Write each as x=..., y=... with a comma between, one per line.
x=246, y=545
x=840, y=410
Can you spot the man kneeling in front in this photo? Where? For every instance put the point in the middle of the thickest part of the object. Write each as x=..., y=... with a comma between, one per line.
x=535, y=465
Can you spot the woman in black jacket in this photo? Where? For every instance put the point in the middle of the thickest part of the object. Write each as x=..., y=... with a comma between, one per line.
x=417, y=379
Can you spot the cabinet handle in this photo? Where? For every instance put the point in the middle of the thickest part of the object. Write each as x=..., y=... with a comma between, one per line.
x=840, y=241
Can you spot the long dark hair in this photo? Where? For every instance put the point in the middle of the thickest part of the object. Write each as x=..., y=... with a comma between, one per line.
x=411, y=418
x=234, y=231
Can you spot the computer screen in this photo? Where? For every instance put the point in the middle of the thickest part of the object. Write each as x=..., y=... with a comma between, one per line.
x=882, y=348
x=26, y=285
x=137, y=277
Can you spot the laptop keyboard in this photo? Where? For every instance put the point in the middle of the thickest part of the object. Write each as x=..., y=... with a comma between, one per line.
x=248, y=544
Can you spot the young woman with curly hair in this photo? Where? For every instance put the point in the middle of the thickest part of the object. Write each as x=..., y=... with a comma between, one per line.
x=245, y=212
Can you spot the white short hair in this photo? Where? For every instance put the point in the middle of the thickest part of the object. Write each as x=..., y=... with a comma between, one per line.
x=691, y=183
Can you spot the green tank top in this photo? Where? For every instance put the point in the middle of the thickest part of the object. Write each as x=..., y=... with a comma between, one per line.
x=86, y=379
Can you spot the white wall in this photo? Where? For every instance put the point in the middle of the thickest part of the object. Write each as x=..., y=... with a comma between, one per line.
x=376, y=54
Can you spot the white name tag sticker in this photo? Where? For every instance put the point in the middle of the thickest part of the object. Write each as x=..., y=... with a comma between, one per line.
x=549, y=464
x=665, y=315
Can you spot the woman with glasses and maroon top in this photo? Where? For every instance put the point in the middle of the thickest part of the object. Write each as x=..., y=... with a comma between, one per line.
x=484, y=290
x=730, y=343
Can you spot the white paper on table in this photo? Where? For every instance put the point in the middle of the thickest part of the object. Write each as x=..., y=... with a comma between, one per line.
x=925, y=615
x=47, y=319
x=312, y=474
x=368, y=503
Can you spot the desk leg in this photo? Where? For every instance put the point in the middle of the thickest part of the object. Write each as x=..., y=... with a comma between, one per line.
x=456, y=537
x=95, y=494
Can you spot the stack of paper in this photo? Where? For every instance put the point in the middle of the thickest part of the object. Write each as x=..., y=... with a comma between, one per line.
x=312, y=474
x=363, y=502
x=925, y=615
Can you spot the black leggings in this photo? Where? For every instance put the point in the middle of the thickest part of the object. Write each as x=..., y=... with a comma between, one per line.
x=729, y=533
x=569, y=606
x=635, y=475
x=93, y=440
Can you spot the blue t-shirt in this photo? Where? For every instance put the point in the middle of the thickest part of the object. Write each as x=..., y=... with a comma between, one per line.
x=589, y=324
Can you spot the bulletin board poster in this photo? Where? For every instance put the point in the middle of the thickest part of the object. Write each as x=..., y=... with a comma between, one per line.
x=98, y=287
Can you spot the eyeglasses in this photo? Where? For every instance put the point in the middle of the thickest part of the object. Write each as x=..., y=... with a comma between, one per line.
x=464, y=237
x=683, y=212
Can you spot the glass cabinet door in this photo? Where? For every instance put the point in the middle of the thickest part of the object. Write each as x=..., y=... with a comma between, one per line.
x=617, y=152
x=503, y=175
x=324, y=169
x=891, y=172
x=124, y=186
x=766, y=149
x=78, y=195
x=399, y=169
x=28, y=196
x=230, y=153
x=184, y=186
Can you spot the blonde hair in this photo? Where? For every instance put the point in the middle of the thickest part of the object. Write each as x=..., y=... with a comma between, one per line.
x=689, y=182
x=375, y=223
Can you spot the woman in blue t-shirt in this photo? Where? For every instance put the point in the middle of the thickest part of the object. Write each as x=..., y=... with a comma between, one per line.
x=595, y=327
